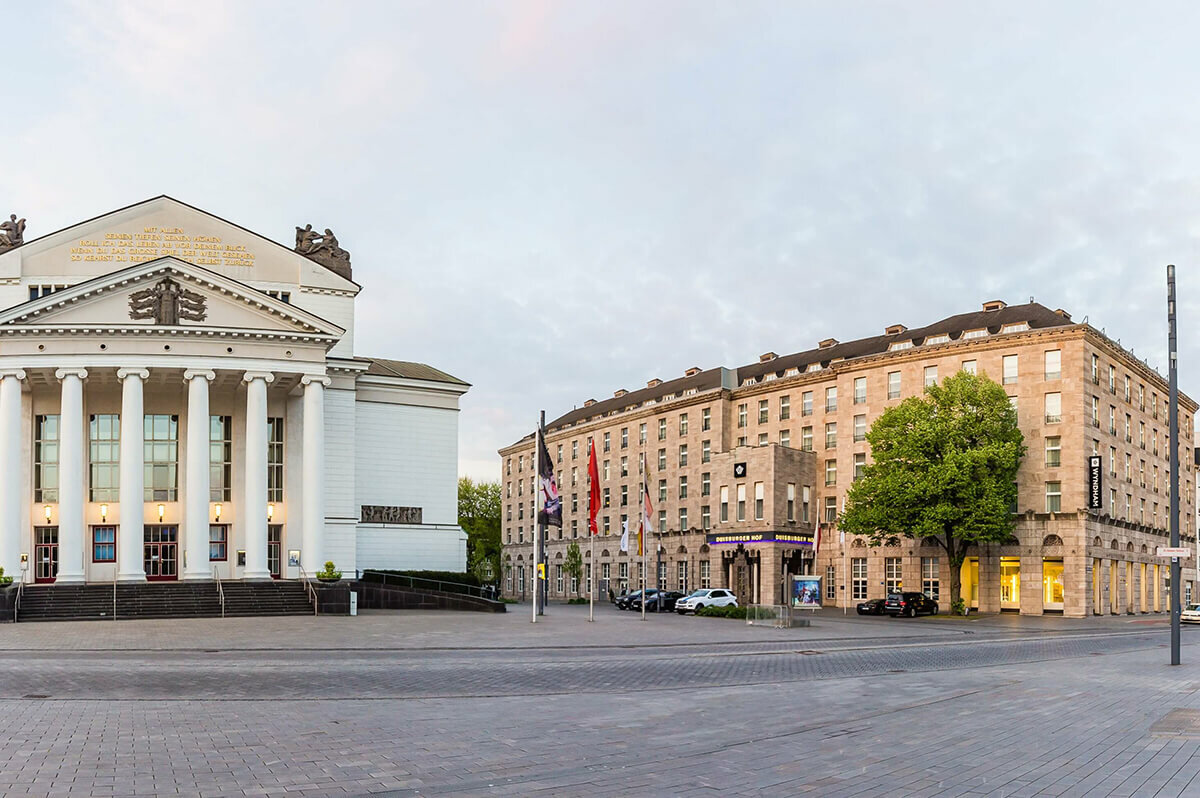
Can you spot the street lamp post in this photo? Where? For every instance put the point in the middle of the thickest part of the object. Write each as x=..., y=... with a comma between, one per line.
x=1173, y=436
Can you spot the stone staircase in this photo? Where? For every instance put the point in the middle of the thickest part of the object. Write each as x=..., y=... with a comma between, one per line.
x=161, y=600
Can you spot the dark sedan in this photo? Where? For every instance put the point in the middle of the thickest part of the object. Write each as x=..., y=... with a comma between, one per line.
x=871, y=607
x=663, y=601
x=910, y=604
x=633, y=600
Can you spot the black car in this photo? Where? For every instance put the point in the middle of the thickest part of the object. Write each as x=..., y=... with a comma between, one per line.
x=871, y=607
x=663, y=601
x=632, y=600
x=910, y=604
x=635, y=603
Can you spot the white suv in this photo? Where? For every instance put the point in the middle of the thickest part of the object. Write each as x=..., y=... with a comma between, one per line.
x=714, y=597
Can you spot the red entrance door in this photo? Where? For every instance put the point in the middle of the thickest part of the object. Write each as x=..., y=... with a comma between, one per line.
x=160, y=553
x=45, y=553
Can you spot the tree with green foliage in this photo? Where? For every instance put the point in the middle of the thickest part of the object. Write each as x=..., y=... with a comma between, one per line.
x=574, y=565
x=944, y=467
x=479, y=516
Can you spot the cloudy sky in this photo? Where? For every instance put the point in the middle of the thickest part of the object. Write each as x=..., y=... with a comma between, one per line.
x=552, y=200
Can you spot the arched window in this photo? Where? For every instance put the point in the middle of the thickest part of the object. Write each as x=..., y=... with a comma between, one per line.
x=1052, y=540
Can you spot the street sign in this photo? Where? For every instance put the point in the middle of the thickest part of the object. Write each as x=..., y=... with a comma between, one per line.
x=1168, y=551
x=739, y=470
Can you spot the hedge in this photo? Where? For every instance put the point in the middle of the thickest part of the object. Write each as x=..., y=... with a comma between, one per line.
x=723, y=612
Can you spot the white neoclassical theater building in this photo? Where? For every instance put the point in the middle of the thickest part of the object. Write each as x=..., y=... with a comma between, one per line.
x=180, y=399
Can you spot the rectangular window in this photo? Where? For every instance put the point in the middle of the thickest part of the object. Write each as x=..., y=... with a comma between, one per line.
x=681, y=576
x=1112, y=379
x=559, y=582
x=858, y=578
x=104, y=460
x=930, y=583
x=806, y=403
x=683, y=487
x=724, y=504
x=758, y=501
x=892, y=574
x=1053, y=364
x=705, y=484
x=1095, y=411
x=860, y=390
x=860, y=464
x=893, y=385
x=1128, y=393
x=1010, y=369
x=45, y=459
x=1095, y=369
x=275, y=459
x=741, y=502
x=764, y=415
x=1053, y=451
x=662, y=459
x=574, y=454
x=741, y=422
x=860, y=428
x=624, y=467
x=1053, y=408
x=683, y=424
x=1053, y=497
x=785, y=438
x=642, y=432
x=218, y=542
x=624, y=439
x=607, y=446
x=705, y=518
x=830, y=583
x=662, y=429
x=831, y=399
x=830, y=509
x=831, y=435
x=970, y=366
x=683, y=524
x=762, y=439
x=705, y=419
x=805, y=499
x=930, y=375
x=785, y=408
x=1112, y=420
x=791, y=501
x=806, y=439
x=830, y=472
x=624, y=495
x=161, y=452
x=104, y=544
x=705, y=577
x=220, y=458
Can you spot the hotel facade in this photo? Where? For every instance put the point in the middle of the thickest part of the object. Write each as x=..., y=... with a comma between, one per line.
x=180, y=399
x=749, y=468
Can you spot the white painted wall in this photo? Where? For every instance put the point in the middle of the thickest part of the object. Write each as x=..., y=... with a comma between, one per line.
x=408, y=456
x=410, y=548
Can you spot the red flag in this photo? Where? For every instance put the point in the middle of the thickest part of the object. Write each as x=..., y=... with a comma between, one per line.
x=593, y=489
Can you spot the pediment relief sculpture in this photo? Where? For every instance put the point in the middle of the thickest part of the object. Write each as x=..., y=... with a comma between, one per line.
x=167, y=302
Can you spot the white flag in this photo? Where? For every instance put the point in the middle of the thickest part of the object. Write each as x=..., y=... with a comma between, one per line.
x=625, y=535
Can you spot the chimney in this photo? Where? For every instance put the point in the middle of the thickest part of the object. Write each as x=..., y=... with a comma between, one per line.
x=654, y=383
x=767, y=356
x=895, y=329
x=995, y=304
x=589, y=403
x=828, y=342
x=1063, y=313
x=692, y=372
x=617, y=394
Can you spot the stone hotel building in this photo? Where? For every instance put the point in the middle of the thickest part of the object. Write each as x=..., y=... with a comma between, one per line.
x=747, y=464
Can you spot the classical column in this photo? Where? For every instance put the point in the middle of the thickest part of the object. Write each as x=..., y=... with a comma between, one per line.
x=10, y=485
x=196, y=487
x=70, y=476
x=313, y=456
x=131, y=495
x=254, y=514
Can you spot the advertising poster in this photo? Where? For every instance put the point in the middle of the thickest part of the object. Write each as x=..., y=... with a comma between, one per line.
x=806, y=592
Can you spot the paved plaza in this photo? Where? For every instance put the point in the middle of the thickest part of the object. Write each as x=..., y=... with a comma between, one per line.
x=440, y=703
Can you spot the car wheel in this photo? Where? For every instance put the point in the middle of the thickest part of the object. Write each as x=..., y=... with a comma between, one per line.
x=699, y=607
x=912, y=612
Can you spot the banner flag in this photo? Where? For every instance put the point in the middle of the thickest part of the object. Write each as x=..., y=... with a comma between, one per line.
x=551, y=512
x=647, y=510
x=593, y=489
x=625, y=535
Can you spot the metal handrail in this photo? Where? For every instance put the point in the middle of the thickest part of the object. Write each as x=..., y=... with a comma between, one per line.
x=115, y=574
x=470, y=590
x=312, y=592
x=17, y=605
x=220, y=589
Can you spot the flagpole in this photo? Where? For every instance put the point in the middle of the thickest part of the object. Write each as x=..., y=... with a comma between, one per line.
x=543, y=529
x=592, y=535
x=642, y=527
x=537, y=508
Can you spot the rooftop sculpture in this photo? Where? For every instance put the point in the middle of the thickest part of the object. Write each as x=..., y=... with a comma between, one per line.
x=323, y=248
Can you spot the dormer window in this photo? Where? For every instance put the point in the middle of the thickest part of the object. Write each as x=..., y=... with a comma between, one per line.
x=898, y=345
x=944, y=338
x=1018, y=327
x=769, y=377
x=792, y=372
x=975, y=334
x=813, y=367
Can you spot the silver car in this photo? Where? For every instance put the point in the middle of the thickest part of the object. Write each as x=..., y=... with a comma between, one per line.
x=708, y=597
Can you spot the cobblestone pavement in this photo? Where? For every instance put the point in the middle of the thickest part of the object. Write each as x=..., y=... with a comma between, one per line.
x=468, y=704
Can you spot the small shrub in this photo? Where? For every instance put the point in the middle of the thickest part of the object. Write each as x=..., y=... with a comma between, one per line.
x=577, y=601
x=958, y=607
x=329, y=572
x=5, y=580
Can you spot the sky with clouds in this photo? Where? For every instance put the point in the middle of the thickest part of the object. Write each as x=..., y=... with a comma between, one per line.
x=552, y=200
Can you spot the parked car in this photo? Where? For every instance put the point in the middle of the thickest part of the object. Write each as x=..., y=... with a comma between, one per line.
x=663, y=601
x=910, y=604
x=626, y=602
x=871, y=607
x=635, y=603
x=1190, y=614
x=708, y=597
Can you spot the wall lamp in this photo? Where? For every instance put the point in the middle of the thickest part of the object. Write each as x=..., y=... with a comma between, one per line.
x=217, y=512
x=270, y=511
x=49, y=510
x=162, y=511
x=103, y=513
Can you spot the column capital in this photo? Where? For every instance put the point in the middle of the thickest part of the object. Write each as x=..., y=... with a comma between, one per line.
x=313, y=379
x=265, y=376
x=18, y=373
x=62, y=374
x=192, y=374
x=140, y=373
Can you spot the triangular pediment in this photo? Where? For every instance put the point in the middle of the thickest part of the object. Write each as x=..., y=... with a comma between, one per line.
x=167, y=292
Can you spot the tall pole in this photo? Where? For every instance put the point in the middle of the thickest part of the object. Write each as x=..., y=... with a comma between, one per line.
x=543, y=582
x=1173, y=414
x=592, y=535
x=642, y=526
x=537, y=510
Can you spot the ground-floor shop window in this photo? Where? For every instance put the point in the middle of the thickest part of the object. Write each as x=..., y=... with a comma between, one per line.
x=930, y=581
x=1010, y=582
x=521, y=577
x=587, y=577
x=681, y=577
x=830, y=582
x=558, y=579
x=662, y=576
x=605, y=573
x=858, y=577
x=892, y=574
x=623, y=576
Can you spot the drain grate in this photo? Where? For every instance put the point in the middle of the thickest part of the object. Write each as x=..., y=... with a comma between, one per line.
x=1183, y=723
x=36, y=695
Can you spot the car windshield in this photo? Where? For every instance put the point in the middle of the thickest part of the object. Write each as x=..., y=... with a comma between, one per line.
x=698, y=593
x=1193, y=608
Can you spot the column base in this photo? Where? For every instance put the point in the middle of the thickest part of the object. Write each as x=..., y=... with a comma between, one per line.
x=257, y=576
x=197, y=577
x=134, y=577
x=68, y=579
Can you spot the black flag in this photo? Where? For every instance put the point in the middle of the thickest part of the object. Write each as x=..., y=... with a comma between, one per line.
x=551, y=512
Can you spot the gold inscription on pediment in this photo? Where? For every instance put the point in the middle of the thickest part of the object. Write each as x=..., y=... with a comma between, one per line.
x=155, y=242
